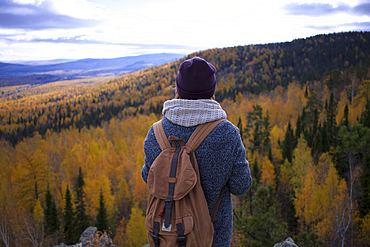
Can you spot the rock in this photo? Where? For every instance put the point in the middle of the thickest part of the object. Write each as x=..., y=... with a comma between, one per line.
x=287, y=243
x=63, y=245
x=91, y=237
x=88, y=235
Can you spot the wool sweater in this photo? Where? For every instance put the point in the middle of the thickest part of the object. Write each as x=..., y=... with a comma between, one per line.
x=222, y=163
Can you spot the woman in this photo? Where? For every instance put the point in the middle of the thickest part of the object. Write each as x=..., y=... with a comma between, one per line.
x=221, y=156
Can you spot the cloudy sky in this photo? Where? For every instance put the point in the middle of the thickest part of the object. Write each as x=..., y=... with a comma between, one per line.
x=75, y=29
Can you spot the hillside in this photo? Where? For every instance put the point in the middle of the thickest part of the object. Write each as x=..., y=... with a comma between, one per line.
x=303, y=111
x=332, y=60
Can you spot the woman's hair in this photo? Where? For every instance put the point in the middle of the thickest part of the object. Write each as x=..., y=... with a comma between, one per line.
x=177, y=96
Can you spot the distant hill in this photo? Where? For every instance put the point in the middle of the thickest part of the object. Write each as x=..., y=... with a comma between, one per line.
x=19, y=74
x=339, y=61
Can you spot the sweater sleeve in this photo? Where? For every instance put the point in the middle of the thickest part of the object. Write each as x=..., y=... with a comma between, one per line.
x=151, y=150
x=240, y=180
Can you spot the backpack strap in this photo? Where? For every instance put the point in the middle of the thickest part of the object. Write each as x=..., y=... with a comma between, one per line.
x=200, y=133
x=160, y=135
x=215, y=207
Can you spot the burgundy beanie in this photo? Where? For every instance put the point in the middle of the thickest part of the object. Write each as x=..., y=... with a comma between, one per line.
x=196, y=79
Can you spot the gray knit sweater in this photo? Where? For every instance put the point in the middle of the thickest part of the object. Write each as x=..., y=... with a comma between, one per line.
x=222, y=163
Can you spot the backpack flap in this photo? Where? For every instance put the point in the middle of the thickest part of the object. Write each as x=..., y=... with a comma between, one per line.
x=159, y=174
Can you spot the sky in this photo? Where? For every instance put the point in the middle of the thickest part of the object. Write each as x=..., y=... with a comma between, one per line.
x=76, y=29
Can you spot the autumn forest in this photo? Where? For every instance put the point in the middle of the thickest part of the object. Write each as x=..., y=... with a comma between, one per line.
x=72, y=151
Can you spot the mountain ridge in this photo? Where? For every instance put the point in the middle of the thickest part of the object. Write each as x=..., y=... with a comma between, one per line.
x=88, y=67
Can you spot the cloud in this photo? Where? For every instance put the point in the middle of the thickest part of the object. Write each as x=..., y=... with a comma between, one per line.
x=37, y=17
x=362, y=9
x=312, y=9
x=320, y=9
x=81, y=41
x=355, y=25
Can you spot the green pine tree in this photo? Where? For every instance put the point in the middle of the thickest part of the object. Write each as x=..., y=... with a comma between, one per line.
x=258, y=127
x=353, y=151
x=102, y=217
x=345, y=120
x=325, y=139
x=298, y=131
x=305, y=239
x=365, y=116
x=331, y=121
x=68, y=218
x=81, y=220
x=288, y=144
x=266, y=133
x=50, y=213
x=265, y=227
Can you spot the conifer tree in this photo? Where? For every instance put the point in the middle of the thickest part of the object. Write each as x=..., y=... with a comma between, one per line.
x=330, y=120
x=317, y=142
x=81, y=221
x=68, y=218
x=51, y=213
x=306, y=92
x=271, y=158
x=255, y=120
x=346, y=121
x=365, y=116
x=266, y=132
x=288, y=143
x=261, y=130
x=325, y=146
x=298, y=131
x=265, y=227
x=353, y=151
x=102, y=218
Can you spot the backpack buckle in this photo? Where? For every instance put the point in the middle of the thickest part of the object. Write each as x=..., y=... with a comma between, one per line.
x=181, y=240
x=155, y=239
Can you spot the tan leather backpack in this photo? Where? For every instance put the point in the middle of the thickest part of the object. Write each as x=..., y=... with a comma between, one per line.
x=177, y=211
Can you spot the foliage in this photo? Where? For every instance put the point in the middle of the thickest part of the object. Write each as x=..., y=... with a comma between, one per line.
x=81, y=220
x=264, y=227
x=305, y=239
x=102, y=218
x=51, y=213
x=68, y=218
x=136, y=231
x=300, y=101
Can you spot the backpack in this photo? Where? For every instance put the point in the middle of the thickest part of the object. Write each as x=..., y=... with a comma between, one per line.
x=177, y=210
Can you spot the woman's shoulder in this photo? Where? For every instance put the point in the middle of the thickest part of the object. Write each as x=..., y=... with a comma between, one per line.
x=227, y=127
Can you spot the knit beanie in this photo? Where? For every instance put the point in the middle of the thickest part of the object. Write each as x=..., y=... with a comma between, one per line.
x=196, y=79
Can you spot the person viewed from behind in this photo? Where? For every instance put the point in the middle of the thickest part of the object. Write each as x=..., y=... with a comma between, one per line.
x=221, y=156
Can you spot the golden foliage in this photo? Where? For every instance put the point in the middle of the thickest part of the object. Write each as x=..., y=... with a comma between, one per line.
x=136, y=231
x=268, y=177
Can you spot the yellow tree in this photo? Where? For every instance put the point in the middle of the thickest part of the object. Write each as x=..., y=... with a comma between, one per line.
x=364, y=231
x=304, y=199
x=120, y=239
x=303, y=181
x=331, y=203
x=32, y=171
x=268, y=177
x=136, y=231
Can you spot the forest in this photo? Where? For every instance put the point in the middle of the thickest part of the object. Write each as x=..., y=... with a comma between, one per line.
x=72, y=153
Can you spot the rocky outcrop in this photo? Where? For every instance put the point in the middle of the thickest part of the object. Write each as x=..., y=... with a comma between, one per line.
x=91, y=238
x=287, y=243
